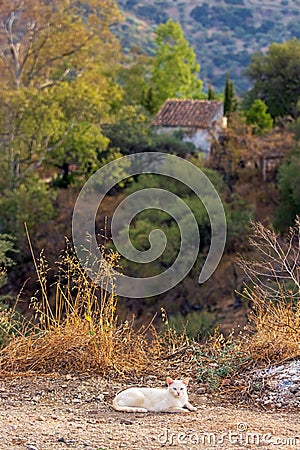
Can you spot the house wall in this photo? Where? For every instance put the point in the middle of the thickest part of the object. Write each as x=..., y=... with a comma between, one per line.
x=201, y=138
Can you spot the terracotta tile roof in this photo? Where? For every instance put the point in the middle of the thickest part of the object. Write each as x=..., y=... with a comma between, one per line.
x=187, y=113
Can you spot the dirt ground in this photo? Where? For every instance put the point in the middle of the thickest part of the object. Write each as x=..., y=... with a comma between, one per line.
x=75, y=413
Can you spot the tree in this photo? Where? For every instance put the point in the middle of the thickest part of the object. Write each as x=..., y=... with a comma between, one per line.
x=148, y=100
x=174, y=70
x=57, y=79
x=230, y=102
x=134, y=77
x=130, y=133
x=155, y=217
x=42, y=44
x=211, y=94
x=258, y=117
x=58, y=85
x=289, y=190
x=276, y=78
x=241, y=153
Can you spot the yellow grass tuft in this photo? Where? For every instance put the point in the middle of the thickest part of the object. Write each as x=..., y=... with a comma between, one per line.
x=272, y=335
x=78, y=331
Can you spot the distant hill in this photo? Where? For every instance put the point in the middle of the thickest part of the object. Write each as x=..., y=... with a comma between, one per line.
x=224, y=33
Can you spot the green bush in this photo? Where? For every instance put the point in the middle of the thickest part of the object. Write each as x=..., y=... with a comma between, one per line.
x=289, y=190
x=195, y=324
x=11, y=324
x=221, y=359
x=30, y=203
x=7, y=249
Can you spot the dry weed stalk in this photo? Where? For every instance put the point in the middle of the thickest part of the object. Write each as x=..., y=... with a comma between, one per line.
x=272, y=335
x=78, y=331
x=274, y=294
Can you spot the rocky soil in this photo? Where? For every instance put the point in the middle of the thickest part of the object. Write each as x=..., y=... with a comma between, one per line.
x=69, y=412
x=278, y=386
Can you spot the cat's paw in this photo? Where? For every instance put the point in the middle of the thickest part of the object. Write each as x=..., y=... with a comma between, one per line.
x=143, y=410
x=192, y=408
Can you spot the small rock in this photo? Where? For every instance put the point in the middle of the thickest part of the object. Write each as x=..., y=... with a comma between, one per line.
x=18, y=441
x=93, y=412
x=201, y=390
x=41, y=418
x=294, y=389
x=126, y=422
x=31, y=447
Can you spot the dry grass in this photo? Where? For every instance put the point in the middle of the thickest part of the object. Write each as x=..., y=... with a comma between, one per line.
x=271, y=338
x=78, y=332
x=274, y=294
x=275, y=328
x=272, y=335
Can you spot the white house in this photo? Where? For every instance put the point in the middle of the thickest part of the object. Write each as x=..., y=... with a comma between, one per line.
x=201, y=121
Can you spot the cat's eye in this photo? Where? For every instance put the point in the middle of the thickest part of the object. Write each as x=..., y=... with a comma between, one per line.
x=181, y=389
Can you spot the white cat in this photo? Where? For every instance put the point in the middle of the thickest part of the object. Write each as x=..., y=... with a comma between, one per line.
x=172, y=399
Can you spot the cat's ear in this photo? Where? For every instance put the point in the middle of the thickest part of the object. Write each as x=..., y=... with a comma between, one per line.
x=186, y=381
x=169, y=381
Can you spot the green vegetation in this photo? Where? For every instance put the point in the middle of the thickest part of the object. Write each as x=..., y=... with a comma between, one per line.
x=174, y=71
x=258, y=117
x=10, y=319
x=275, y=78
x=222, y=361
x=288, y=185
x=6, y=250
x=51, y=106
x=196, y=325
x=230, y=101
x=224, y=34
x=171, y=71
x=72, y=100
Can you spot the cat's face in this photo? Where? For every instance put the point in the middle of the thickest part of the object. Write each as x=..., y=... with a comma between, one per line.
x=177, y=388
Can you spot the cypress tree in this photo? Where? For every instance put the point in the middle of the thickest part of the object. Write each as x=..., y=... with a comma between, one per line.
x=147, y=100
x=211, y=94
x=230, y=102
x=228, y=96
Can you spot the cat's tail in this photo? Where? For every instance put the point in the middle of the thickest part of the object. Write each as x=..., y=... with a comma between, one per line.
x=125, y=408
x=116, y=404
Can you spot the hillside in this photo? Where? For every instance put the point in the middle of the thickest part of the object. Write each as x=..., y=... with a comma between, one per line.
x=224, y=33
